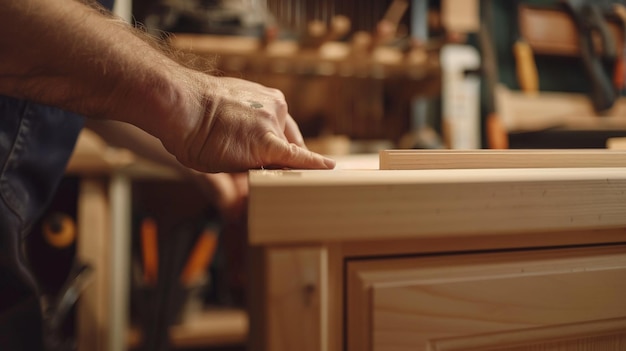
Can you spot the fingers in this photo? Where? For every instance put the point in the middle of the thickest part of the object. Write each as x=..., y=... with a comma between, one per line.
x=292, y=132
x=280, y=153
x=246, y=126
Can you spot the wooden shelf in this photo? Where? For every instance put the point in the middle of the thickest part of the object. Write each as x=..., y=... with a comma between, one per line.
x=237, y=53
x=552, y=31
x=217, y=327
x=522, y=112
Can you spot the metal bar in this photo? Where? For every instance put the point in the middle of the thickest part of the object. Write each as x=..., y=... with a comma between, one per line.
x=119, y=192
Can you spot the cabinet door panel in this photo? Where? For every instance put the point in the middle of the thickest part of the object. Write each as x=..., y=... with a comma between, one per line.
x=588, y=336
x=524, y=300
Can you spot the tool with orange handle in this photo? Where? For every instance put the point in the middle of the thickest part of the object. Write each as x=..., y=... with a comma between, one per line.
x=149, y=251
x=200, y=257
x=619, y=74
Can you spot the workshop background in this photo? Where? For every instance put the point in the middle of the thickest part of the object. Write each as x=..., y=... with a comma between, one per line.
x=359, y=77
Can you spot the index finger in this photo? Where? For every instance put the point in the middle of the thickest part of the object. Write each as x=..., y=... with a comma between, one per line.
x=279, y=153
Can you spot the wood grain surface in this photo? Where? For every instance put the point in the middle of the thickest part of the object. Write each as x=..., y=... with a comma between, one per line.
x=344, y=205
x=487, y=159
x=523, y=299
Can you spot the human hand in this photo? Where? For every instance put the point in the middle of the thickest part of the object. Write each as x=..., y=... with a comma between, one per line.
x=240, y=125
x=227, y=191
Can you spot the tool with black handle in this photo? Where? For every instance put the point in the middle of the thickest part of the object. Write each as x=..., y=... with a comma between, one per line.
x=589, y=19
x=497, y=136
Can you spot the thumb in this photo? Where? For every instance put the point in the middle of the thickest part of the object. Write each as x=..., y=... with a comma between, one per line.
x=280, y=153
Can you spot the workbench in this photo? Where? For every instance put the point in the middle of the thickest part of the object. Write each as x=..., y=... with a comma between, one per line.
x=526, y=252
x=109, y=180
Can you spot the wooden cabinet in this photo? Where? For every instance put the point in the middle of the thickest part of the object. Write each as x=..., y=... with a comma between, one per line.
x=520, y=300
x=525, y=255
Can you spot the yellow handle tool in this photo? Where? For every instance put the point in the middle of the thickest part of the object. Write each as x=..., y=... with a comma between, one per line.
x=527, y=75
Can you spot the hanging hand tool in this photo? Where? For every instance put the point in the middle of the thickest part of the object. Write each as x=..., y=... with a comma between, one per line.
x=186, y=252
x=200, y=257
x=314, y=33
x=588, y=19
x=526, y=68
x=318, y=33
x=149, y=252
x=58, y=311
x=386, y=28
x=497, y=136
x=339, y=27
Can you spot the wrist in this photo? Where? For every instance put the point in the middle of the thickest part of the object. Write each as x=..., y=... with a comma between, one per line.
x=166, y=106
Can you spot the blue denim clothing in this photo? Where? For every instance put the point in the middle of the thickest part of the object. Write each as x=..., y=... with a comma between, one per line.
x=36, y=142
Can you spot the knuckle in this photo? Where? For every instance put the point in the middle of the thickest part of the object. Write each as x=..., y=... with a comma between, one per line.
x=281, y=105
x=277, y=93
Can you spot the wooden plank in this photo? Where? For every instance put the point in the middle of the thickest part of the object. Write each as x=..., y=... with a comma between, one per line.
x=343, y=205
x=467, y=159
x=448, y=302
x=93, y=248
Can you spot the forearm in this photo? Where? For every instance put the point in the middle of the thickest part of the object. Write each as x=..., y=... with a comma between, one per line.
x=66, y=54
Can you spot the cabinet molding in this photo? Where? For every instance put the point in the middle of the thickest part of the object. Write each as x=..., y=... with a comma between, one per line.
x=422, y=302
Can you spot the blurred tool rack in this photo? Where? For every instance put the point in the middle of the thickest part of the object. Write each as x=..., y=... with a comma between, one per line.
x=236, y=53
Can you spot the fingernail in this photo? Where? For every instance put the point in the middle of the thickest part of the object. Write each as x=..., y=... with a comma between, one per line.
x=330, y=164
